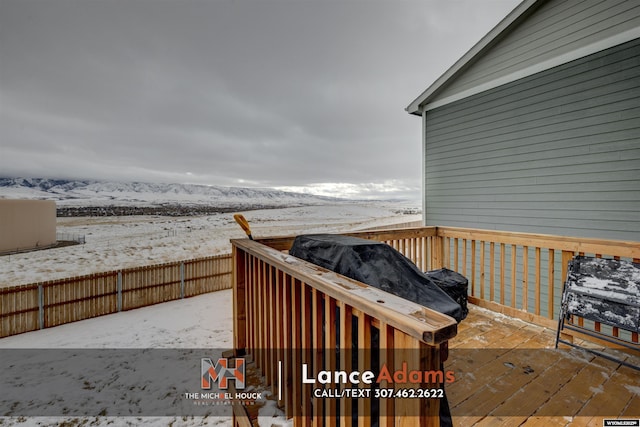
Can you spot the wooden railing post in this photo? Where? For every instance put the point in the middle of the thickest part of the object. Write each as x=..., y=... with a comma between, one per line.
x=430, y=360
x=566, y=257
x=239, y=309
x=437, y=251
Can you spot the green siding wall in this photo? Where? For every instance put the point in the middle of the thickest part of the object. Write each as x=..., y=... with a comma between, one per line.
x=557, y=152
x=556, y=28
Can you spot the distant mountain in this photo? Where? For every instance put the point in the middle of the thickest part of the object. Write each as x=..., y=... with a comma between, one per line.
x=81, y=193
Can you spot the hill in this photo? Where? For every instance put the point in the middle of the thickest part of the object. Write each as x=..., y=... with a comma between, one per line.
x=91, y=197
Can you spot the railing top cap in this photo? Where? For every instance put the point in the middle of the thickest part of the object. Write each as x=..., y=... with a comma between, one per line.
x=413, y=319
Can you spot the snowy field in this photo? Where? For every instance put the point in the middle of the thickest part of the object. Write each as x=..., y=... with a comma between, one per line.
x=129, y=241
x=195, y=323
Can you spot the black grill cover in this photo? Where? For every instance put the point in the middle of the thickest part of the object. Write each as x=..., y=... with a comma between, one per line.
x=454, y=284
x=376, y=264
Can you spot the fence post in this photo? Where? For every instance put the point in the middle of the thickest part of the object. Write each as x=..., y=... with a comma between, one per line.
x=182, y=280
x=119, y=288
x=40, y=306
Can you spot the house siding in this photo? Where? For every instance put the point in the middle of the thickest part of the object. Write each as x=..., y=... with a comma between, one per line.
x=557, y=152
x=553, y=30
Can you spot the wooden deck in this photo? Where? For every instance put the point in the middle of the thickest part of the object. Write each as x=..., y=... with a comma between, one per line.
x=509, y=369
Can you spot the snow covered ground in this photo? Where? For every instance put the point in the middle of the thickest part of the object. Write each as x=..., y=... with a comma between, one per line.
x=203, y=322
x=188, y=323
x=130, y=241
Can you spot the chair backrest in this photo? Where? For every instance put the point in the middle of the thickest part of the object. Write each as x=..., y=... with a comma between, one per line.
x=605, y=291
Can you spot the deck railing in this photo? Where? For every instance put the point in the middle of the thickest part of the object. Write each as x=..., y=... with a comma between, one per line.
x=517, y=274
x=289, y=310
x=289, y=313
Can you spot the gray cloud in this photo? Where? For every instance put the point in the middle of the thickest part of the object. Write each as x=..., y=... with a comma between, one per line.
x=265, y=93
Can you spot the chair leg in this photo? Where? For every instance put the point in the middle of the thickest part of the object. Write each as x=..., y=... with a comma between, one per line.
x=560, y=326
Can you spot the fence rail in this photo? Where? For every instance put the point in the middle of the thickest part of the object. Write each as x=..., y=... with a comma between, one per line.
x=45, y=304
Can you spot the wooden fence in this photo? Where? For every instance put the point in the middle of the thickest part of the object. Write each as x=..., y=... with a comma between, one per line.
x=41, y=305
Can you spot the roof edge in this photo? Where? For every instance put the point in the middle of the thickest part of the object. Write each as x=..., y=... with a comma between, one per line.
x=491, y=38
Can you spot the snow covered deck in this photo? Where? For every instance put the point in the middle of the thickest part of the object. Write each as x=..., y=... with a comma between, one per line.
x=507, y=371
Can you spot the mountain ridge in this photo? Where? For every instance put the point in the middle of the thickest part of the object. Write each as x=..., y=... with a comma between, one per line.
x=85, y=192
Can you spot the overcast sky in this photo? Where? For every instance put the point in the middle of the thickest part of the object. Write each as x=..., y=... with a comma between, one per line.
x=304, y=94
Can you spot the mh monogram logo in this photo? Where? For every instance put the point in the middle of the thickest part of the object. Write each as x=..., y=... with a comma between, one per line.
x=221, y=372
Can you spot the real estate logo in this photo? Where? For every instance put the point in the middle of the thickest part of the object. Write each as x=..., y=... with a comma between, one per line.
x=221, y=372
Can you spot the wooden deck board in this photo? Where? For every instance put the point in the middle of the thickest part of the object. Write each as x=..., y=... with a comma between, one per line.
x=632, y=407
x=612, y=402
x=508, y=374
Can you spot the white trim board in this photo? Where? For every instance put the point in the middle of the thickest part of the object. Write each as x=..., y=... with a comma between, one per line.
x=590, y=49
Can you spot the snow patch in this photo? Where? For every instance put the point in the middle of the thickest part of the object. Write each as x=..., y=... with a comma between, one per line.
x=633, y=389
x=596, y=390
